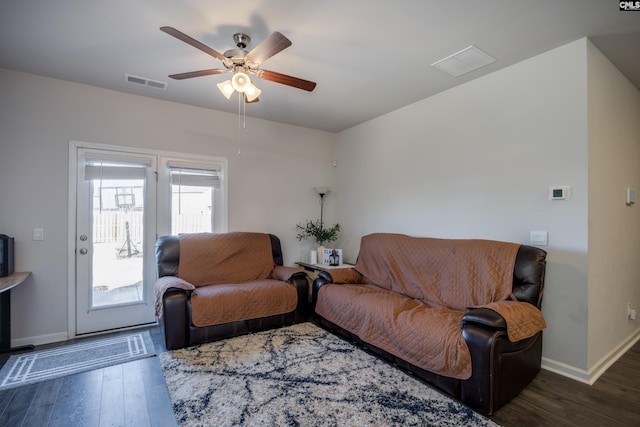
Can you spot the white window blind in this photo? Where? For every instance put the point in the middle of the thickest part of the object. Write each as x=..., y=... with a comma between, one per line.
x=194, y=175
x=193, y=195
x=127, y=168
x=114, y=172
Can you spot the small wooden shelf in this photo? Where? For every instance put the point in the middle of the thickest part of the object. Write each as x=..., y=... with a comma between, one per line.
x=13, y=280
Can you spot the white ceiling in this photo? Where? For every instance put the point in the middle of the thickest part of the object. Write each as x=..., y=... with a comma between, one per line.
x=368, y=58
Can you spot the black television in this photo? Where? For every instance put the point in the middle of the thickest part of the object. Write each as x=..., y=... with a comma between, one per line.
x=6, y=255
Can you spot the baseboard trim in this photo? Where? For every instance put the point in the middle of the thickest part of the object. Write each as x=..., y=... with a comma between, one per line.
x=40, y=339
x=610, y=358
x=591, y=376
x=64, y=336
x=565, y=370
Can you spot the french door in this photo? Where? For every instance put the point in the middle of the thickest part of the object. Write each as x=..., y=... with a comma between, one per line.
x=114, y=239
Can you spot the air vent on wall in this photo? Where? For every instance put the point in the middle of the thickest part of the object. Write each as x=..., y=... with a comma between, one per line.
x=468, y=59
x=145, y=82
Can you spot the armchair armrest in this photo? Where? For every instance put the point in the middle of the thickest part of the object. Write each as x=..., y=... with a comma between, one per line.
x=287, y=274
x=298, y=278
x=165, y=283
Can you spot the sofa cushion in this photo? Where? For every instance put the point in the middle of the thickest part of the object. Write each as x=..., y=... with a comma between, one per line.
x=425, y=335
x=223, y=303
x=455, y=273
x=210, y=258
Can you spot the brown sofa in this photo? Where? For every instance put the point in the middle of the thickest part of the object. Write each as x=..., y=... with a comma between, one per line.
x=214, y=286
x=463, y=315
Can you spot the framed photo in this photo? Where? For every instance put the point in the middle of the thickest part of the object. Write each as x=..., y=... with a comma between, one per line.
x=326, y=254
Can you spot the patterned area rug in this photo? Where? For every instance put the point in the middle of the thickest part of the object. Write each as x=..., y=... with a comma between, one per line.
x=42, y=365
x=300, y=376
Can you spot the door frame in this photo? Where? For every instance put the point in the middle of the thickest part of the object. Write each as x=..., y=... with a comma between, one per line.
x=163, y=222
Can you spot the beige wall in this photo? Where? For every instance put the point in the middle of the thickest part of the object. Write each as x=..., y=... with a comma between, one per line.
x=476, y=162
x=472, y=162
x=270, y=183
x=614, y=227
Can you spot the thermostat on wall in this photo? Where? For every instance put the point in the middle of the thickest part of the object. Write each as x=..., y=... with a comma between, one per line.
x=560, y=193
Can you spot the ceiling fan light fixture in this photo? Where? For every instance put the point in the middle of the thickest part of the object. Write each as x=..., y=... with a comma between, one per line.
x=241, y=82
x=252, y=93
x=226, y=88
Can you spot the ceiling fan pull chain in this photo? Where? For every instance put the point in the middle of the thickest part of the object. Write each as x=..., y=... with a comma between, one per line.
x=238, y=133
x=244, y=115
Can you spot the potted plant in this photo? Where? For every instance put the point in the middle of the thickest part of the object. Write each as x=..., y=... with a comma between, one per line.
x=319, y=233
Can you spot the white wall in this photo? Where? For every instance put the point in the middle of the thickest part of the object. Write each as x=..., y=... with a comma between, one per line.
x=476, y=161
x=472, y=162
x=270, y=183
x=614, y=227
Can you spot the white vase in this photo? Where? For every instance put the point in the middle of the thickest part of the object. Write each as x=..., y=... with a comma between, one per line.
x=320, y=251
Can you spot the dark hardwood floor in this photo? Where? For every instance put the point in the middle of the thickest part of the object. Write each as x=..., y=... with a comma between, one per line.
x=554, y=400
x=135, y=394
x=129, y=394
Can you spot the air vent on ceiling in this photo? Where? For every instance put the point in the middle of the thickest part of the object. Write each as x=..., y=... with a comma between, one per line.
x=468, y=59
x=145, y=82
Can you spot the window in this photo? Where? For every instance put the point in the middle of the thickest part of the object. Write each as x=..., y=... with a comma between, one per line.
x=196, y=196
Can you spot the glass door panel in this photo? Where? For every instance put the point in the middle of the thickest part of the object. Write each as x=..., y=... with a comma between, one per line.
x=118, y=236
x=115, y=236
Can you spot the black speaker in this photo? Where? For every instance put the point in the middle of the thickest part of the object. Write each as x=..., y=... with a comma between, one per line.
x=6, y=255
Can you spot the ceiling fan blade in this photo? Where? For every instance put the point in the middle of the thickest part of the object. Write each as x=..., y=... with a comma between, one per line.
x=286, y=80
x=193, y=42
x=273, y=44
x=191, y=74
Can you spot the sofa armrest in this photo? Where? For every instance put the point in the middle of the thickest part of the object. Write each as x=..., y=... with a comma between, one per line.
x=484, y=317
x=324, y=278
x=500, y=368
x=336, y=276
x=522, y=320
x=346, y=275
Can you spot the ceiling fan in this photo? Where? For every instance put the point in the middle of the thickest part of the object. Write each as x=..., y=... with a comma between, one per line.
x=242, y=64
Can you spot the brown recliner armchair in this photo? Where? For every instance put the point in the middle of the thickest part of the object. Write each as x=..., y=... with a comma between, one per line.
x=213, y=286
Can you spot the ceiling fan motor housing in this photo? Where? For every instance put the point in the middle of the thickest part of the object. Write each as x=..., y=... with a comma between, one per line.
x=241, y=40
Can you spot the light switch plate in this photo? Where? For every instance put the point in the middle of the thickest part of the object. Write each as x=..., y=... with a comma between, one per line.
x=539, y=238
x=38, y=234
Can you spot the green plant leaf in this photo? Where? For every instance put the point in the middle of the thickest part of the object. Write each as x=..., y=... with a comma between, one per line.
x=316, y=230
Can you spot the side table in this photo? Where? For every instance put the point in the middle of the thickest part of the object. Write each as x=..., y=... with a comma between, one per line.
x=315, y=268
x=6, y=284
